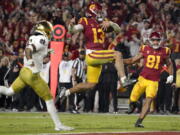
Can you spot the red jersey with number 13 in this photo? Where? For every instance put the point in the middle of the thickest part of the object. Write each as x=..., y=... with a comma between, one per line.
x=153, y=61
x=94, y=35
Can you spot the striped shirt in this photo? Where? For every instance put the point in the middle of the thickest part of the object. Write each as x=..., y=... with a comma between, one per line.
x=79, y=65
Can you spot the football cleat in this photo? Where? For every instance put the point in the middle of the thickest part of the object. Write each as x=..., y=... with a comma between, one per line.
x=61, y=95
x=132, y=107
x=139, y=125
x=128, y=82
x=63, y=128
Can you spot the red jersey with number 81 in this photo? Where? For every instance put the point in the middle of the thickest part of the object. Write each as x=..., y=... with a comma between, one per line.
x=153, y=61
x=94, y=35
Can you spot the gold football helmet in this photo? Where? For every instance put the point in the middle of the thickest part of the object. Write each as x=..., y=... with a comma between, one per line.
x=44, y=27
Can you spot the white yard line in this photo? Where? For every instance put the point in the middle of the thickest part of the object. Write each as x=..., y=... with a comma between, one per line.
x=84, y=133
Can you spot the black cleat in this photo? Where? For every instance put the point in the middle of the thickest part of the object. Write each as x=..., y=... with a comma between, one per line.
x=61, y=95
x=132, y=107
x=139, y=125
x=128, y=82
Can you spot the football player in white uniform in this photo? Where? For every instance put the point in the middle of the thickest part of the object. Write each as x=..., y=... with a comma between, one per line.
x=35, y=51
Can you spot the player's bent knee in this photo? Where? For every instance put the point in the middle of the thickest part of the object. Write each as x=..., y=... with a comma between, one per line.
x=150, y=97
x=133, y=98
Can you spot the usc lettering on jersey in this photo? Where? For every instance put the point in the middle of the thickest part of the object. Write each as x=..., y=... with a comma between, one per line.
x=153, y=61
x=94, y=35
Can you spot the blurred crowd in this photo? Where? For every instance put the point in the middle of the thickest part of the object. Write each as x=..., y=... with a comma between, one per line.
x=137, y=19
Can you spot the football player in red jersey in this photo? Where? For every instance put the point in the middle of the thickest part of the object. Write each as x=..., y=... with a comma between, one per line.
x=94, y=27
x=154, y=56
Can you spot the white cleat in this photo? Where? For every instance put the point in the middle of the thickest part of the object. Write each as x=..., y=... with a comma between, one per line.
x=63, y=128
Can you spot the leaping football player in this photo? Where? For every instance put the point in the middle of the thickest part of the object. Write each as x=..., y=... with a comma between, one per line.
x=154, y=56
x=35, y=51
x=94, y=27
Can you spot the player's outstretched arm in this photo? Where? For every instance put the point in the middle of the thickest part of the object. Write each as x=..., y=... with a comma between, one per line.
x=133, y=59
x=115, y=26
x=107, y=24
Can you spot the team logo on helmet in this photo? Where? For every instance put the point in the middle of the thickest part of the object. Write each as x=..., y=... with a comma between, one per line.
x=95, y=10
x=92, y=7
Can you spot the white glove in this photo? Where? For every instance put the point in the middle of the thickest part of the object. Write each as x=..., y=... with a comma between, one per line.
x=169, y=79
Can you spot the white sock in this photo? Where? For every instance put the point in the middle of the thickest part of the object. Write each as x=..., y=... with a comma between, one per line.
x=6, y=91
x=67, y=93
x=53, y=112
x=123, y=79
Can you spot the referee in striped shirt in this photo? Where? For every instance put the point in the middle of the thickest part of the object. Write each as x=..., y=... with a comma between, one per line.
x=78, y=76
x=79, y=68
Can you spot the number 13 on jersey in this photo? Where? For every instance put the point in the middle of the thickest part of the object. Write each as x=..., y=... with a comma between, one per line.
x=99, y=36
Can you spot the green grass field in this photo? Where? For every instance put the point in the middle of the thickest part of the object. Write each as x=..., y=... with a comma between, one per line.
x=39, y=123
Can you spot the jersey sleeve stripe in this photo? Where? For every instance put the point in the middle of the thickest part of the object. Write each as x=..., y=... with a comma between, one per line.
x=100, y=57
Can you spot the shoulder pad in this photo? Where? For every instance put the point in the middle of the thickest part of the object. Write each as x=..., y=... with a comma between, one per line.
x=142, y=48
x=83, y=20
x=168, y=51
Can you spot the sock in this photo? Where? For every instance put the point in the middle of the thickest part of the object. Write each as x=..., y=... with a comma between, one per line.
x=53, y=112
x=6, y=91
x=123, y=79
x=67, y=93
